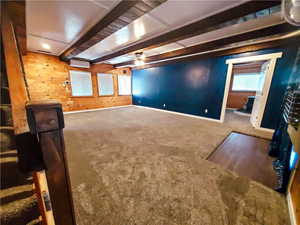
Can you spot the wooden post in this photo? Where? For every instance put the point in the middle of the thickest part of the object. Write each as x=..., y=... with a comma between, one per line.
x=46, y=120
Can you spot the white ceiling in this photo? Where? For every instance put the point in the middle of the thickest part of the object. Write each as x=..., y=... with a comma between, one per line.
x=234, y=29
x=210, y=36
x=141, y=28
x=58, y=23
x=166, y=17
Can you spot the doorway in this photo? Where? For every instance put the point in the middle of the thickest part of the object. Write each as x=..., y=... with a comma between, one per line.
x=247, y=87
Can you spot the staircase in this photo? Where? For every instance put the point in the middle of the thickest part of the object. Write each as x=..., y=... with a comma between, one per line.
x=18, y=202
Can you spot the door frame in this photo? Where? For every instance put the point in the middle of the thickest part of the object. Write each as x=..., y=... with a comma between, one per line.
x=269, y=75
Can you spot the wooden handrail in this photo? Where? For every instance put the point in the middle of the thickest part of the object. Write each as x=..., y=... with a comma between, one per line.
x=15, y=74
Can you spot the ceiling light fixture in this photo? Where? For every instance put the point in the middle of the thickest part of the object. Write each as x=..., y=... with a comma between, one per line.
x=291, y=11
x=46, y=46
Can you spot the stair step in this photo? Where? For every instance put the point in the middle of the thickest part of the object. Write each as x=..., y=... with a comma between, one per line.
x=35, y=222
x=7, y=138
x=20, y=212
x=18, y=202
x=5, y=95
x=11, y=176
x=6, y=115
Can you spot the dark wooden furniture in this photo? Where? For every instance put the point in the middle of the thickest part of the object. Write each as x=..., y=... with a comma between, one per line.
x=45, y=119
x=247, y=156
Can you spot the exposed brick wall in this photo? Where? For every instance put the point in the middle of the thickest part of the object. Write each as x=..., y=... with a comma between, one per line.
x=46, y=74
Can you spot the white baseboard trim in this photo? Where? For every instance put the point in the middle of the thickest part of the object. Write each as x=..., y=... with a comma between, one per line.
x=242, y=114
x=181, y=114
x=232, y=108
x=265, y=129
x=97, y=109
x=291, y=209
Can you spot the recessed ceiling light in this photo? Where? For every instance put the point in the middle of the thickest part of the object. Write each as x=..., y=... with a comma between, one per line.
x=46, y=46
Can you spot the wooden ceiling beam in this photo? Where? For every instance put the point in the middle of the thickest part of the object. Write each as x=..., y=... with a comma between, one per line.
x=234, y=50
x=214, y=22
x=120, y=16
x=208, y=46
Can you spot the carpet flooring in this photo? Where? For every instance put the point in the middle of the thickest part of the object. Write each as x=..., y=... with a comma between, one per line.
x=136, y=166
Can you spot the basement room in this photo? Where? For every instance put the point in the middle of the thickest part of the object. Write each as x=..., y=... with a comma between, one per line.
x=150, y=112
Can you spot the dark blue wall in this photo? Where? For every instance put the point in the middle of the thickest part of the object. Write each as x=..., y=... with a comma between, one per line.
x=191, y=87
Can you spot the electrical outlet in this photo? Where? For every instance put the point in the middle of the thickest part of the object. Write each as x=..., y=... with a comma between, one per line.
x=206, y=111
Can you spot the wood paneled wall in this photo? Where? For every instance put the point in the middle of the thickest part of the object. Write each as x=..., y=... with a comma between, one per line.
x=236, y=99
x=46, y=75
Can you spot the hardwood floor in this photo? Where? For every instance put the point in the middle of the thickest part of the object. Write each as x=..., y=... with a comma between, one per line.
x=247, y=156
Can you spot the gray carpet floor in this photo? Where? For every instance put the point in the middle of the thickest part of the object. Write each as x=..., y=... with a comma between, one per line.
x=136, y=166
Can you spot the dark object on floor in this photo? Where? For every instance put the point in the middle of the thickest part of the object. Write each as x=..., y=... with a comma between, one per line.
x=247, y=156
x=247, y=108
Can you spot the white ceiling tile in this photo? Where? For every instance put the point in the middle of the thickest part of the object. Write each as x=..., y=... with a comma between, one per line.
x=121, y=59
x=233, y=30
x=94, y=52
x=163, y=49
x=178, y=13
x=61, y=20
x=138, y=29
x=35, y=43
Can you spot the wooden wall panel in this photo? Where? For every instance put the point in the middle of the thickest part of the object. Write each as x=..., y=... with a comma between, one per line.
x=46, y=75
x=237, y=100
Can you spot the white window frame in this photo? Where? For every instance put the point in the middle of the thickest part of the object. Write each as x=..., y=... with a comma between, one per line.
x=119, y=75
x=99, y=84
x=72, y=82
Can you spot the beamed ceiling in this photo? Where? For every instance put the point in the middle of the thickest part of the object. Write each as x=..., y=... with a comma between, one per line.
x=112, y=31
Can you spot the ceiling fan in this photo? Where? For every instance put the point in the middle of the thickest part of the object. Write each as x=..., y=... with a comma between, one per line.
x=291, y=11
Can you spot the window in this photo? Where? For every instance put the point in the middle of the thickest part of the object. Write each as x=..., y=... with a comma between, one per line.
x=81, y=83
x=105, y=84
x=247, y=82
x=124, y=83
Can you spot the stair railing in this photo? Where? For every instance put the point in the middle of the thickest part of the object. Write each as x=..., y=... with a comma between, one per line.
x=40, y=148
